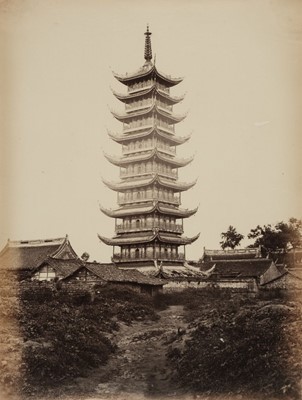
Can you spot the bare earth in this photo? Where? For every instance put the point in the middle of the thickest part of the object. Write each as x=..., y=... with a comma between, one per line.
x=139, y=369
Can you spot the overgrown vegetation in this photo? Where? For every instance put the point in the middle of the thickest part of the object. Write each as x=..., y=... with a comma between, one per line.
x=239, y=344
x=62, y=334
x=10, y=337
x=234, y=343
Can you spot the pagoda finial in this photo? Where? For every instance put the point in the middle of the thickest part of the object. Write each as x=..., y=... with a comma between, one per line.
x=148, y=49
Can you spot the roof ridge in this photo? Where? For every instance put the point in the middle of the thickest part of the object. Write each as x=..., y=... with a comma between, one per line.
x=35, y=242
x=258, y=259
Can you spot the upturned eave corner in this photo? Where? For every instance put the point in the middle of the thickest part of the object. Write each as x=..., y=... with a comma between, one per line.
x=148, y=219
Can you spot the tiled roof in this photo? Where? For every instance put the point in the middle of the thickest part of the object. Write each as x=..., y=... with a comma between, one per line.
x=64, y=267
x=111, y=273
x=233, y=254
x=28, y=254
x=236, y=268
x=180, y=272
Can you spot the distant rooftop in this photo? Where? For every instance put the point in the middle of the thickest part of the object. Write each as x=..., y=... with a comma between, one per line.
x=231, y=254
x=29, y=254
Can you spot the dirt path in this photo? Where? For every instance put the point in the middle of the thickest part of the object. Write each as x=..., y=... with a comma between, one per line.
x=139, y=368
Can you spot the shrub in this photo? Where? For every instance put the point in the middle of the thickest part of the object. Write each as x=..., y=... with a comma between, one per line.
x=64, y=330
x=242, y=346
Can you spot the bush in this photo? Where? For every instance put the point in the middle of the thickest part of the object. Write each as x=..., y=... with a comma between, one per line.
x=242, y=346
x=64, y=330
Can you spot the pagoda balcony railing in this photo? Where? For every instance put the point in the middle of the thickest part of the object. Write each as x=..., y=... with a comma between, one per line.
x=138, y=149
x=169, y=200
x=140, y=105
x=140, y=86
x=120, y=228
x=165, y=149
x=135, y=107
x=128, y=128
x=128, y=174
x=177, y=257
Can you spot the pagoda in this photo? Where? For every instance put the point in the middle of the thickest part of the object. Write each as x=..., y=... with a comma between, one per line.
x=148, y=220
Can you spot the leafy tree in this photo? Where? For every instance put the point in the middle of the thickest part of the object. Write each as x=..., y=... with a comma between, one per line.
x=231, y=238
x=283, y=236
x=85, y=256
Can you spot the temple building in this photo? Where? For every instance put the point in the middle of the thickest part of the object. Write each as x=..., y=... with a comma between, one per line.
x=148, y=220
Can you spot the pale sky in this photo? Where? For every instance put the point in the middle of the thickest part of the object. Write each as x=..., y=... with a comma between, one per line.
x=241, y=62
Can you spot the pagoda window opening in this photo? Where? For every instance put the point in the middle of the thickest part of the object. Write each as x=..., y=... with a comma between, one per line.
x=138, y=223
x=166, y=252
x=137, y=253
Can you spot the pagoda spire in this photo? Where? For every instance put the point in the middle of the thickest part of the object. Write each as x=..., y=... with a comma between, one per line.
x=148, y=49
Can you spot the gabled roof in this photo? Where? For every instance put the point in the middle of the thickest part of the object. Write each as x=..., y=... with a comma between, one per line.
x=110, y=273
x=231, y=254
x=29, y=254
x=238, y=268
x=179, y=272
x=64, y=267
x=107, y=272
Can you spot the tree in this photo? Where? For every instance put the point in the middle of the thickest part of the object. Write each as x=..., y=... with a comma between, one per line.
x=85, y=256
x=283, y=236
x=231, y=238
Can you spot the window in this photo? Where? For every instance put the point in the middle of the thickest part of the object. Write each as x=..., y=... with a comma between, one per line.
x=46, y=273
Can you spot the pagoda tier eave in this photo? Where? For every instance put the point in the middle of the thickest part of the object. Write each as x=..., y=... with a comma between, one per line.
x=118, y=241
x=145, y=72
x=148, y=209
x=173, y=119
x=175, y=140
x=174, y=162
x=138, y=183
x=130, y=96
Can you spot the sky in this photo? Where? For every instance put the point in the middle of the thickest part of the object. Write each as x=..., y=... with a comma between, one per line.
x=241, y=62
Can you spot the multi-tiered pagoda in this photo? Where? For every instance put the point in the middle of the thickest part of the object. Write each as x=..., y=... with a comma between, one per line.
x=149, y=220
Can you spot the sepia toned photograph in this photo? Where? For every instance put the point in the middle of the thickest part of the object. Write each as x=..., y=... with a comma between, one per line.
x=151, y=186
